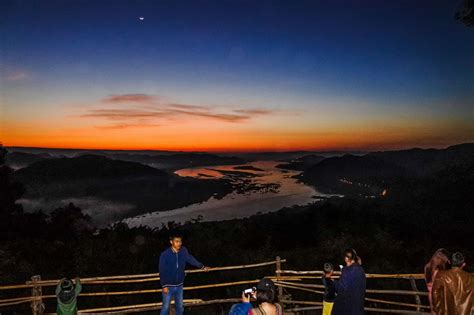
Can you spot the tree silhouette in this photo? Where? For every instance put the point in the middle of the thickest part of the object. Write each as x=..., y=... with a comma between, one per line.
x=466, y=13
x=10, y=192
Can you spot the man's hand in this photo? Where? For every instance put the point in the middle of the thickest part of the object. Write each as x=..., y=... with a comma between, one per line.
x=206, y=269
x=166, y=290
x=245, y=298
x=328, y=275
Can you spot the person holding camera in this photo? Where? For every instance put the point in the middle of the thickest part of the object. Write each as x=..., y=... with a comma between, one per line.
x=265, y=295
x=350, y=288
x=173, y=261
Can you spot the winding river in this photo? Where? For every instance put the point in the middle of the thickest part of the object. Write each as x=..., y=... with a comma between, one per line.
x=236, y=205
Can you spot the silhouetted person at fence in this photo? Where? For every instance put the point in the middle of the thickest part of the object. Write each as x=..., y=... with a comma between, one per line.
x=266, y=298
x=172, y=264
x=350, y=288
x=67, y=293
x=453, y=290
x=439, y=261
x=329, y=289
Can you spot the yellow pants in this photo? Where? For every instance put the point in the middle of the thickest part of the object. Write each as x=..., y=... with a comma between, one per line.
x=327, y=307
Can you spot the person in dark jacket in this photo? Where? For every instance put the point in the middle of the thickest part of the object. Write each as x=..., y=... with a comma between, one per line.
x=329, y=289
x=172, y=264
x=350, y=288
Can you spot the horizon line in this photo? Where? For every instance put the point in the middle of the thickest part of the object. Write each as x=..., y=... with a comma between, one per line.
x=262, y=150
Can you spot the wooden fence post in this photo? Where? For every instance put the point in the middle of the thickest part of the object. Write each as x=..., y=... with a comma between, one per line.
x=37, y=306
x=414, y=288
x=278, y=273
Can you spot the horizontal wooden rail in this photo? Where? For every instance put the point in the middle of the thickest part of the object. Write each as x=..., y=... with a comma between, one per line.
x=368, y=276
x=45, y=283
x=301, y=287
x=367, y=309
x=397, y=303
x=290, y=279
x=153, y=306
x=392, y=311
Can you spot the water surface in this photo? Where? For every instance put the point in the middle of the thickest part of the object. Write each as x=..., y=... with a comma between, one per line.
x=236, y=205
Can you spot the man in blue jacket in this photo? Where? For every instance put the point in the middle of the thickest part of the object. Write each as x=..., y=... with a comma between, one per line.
x=350, y=288
x=172, y=264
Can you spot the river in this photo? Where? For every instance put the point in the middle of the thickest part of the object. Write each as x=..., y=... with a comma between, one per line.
x=236, y=205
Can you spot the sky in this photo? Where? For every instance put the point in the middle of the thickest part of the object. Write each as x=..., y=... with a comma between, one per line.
x=235, y=75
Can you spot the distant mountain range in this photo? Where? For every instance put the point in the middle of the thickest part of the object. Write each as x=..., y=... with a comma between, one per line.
x=19, y=157
x=158, y=159
x=93, y=177
x=371, y=173
x=302, y=163
x=86, y=166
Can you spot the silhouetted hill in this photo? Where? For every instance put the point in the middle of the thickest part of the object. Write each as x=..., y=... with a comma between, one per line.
x=302, y=163
x=177, y=160
x=126, y=188
x=372, y=173
x=169, y=160
x=18, y=160
x=288, y=156
x=86, y=166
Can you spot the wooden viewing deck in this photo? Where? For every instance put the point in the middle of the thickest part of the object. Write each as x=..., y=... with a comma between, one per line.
x=307, y=282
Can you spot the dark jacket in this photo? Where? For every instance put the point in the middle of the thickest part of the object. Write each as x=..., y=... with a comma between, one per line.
x=350, y=291
x=172, y=266
x=329, y=289
x=453, y=292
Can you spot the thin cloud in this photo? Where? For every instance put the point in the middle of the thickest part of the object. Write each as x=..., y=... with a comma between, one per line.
x=125, y=126
x=18, y=76
x=189, y=107
x=130, y=98
x=122, y=114
x=253, y=111
x=157, y=110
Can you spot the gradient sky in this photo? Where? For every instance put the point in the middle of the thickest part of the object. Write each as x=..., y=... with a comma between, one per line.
x=235, y=75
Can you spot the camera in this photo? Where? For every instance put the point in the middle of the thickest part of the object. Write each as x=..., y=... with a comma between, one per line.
x=249, y=292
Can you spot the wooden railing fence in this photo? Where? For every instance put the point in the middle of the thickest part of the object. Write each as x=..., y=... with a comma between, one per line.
x=288, y=282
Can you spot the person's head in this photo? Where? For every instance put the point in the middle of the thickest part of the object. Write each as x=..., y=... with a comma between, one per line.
x=66, y=284
x=440, y=259
x=176, y=241
x=350, y=256
x=266, y=291
x=457, y=260
x=328, y=268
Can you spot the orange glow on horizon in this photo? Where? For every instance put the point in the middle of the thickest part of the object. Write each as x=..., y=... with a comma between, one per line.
x=207, y=136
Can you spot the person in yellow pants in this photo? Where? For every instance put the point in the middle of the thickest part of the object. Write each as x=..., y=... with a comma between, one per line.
x=329, y=290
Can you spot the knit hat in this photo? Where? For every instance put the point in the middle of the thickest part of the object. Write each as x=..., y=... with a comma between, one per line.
x=266, y=284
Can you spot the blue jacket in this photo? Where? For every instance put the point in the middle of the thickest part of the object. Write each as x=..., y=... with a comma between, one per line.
x=350, y=291
x=240, y=309
x=172, y=266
